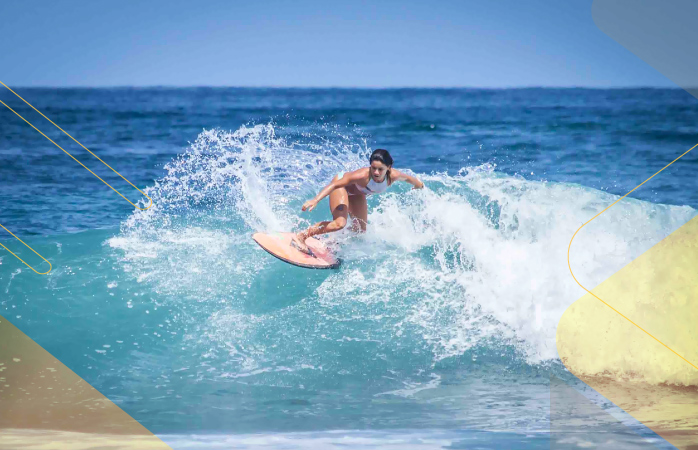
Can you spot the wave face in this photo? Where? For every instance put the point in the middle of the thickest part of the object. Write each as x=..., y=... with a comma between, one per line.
x=477, y=256
x=450, y=286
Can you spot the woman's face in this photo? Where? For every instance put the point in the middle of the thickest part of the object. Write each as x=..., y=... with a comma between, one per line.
x=378, y=171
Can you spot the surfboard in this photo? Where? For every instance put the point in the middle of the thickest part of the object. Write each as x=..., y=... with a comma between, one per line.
x=279, y=245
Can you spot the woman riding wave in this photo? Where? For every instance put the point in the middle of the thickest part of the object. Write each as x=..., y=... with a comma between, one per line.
x=348, y=193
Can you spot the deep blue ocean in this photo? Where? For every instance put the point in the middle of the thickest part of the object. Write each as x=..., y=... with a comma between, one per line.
x=438, y=331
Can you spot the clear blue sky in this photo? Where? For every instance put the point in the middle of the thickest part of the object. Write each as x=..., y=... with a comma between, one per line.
x=470, y=43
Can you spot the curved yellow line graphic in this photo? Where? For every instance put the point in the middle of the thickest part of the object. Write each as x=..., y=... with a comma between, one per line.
x=71, y=137
x=40, y=273
x=599, y=299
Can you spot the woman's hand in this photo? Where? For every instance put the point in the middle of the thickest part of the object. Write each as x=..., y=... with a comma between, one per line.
x=420, y=185
x=309, y=205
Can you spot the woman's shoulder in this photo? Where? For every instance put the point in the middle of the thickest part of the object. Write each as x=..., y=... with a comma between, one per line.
x=358, y=173
x=396, y=175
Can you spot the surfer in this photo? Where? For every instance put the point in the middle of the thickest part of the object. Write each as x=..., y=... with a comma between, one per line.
x=348, y=193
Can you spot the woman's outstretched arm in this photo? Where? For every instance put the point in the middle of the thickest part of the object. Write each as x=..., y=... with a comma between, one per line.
x=346, y=180
x=396, y=175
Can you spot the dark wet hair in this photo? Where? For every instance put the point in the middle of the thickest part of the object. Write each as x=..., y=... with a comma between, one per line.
x=382, y=155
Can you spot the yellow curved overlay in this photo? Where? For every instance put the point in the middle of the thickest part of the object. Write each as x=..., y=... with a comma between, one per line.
x=634, y=338
x=71, y=137
x=124, y=178
x=40, y=273
x=597, y=297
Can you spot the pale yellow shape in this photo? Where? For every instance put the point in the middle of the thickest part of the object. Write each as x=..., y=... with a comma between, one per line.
x=636, y=364
x=64, y=440
x=45, y=405
x=657, y=291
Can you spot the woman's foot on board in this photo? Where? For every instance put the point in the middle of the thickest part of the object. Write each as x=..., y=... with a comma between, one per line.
x=298, y=242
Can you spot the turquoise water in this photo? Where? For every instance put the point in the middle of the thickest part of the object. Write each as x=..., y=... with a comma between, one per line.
x=439, y=325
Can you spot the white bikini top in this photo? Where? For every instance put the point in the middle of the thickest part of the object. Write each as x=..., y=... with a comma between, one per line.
x=374, y=188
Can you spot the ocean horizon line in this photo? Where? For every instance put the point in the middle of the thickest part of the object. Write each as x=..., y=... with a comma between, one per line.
x=378, y=88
